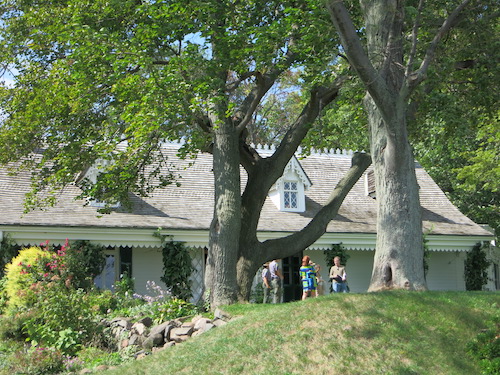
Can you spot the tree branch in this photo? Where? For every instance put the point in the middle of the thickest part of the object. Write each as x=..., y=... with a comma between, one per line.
x=358, y=58
x=286, y=246
x=418, y=76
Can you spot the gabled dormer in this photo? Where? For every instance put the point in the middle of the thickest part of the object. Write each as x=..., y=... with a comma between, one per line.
x=288, y=193
x=90, y=177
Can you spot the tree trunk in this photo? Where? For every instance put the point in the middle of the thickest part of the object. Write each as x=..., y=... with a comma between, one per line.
x=220, y=276
x=398, y=262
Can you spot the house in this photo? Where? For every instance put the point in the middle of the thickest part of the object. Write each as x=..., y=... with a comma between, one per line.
x=185, y=213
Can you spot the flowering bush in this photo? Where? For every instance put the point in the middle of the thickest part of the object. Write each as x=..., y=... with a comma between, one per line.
x=25, y=270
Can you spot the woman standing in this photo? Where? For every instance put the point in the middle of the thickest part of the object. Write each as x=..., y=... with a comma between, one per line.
x=308, y=276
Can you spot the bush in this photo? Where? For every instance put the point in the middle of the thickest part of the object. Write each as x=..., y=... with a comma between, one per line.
x=37, y=361
x=486, y=349
x=12, y=328
x=84, y=261
x=3, y=295
x=64, y=319
x=25, y=270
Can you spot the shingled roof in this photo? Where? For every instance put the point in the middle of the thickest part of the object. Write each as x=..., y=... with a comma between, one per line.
x=190, y=206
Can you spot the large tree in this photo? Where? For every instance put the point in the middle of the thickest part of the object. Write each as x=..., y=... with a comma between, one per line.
x=107, y=82
x=392, y=63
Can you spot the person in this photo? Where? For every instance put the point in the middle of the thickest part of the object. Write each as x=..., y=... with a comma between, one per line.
x=266, y=283
x=319, y=280
x=308, y=276
x=338, y=276
x=276, y=280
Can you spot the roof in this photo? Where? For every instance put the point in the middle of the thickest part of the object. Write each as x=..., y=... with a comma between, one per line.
x=190, y=206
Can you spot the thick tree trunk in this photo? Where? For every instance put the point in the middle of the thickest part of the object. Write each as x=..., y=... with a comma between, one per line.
x=398, y=262
x=220, y=276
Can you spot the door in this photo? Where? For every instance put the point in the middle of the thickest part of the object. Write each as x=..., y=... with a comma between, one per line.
x=292, y=287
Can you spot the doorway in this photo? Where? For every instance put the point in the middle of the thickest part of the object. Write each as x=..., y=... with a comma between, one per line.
x=292, y=287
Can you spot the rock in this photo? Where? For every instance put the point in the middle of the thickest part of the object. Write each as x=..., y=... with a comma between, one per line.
x=159, y=328
x=203, y=324
x=85, y=371
x=139, y=328
x=220, y=314
x=219, y=322
x=152, y=341
x=122, y=322
x=147, y=321
x=136, y=339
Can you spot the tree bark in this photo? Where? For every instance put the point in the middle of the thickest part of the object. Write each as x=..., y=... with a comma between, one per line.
x=398, y=262
x=220, y=276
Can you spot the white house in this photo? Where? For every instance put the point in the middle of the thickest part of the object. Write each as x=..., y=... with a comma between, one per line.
x=185, y=213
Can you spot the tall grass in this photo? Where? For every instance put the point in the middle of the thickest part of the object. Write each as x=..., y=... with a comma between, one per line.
x=348, y=334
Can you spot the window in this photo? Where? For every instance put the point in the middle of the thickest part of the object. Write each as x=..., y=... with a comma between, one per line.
x=290, y=193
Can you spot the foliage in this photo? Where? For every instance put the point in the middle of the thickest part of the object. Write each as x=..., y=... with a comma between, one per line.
x=486, y=348
x=92, y=357
x=172, y=309
x=159, y=304
x=8, y=251
x=63, y=319
x=3, y=295
x=125, y=286
x=24, y=271
x=476, y=267
x=12, y=327
x=177, y=268
x=37, y=361
x=84, y=261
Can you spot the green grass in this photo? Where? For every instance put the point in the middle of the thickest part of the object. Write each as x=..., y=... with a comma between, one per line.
x=378, y=333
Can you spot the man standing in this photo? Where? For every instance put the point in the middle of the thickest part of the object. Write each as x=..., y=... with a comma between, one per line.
x=276, y=280
x=266, y=282
x=338, y=276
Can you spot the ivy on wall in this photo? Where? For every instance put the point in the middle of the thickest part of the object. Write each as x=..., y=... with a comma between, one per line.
x=476, y=267
x=177, y=267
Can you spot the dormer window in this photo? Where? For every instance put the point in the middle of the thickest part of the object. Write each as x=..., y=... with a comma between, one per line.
x=90, y=177
x=288, y=193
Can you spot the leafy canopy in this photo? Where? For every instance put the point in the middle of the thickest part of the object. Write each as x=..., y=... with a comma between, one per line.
x=108, y=81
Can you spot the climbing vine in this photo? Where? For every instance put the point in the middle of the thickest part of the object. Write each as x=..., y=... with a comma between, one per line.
x=177, y=267
x=476, y=267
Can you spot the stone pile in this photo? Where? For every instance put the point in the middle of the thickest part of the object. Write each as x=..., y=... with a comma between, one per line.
x=149, y=338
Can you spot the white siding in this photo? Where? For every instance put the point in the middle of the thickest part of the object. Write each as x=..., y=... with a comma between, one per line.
x=446, y=271
x=147, y=264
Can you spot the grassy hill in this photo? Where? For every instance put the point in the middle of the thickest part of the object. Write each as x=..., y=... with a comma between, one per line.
x=348, y=334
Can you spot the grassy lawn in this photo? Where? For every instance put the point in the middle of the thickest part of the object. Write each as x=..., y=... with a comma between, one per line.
x=348, y=334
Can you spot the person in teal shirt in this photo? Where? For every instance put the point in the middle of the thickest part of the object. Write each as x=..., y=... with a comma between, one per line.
x=308, y=276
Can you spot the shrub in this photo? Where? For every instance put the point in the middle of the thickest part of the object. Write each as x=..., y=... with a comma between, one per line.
x=486, y=348
x=25, y=270
x=37, y=361
x=64, y=319
x=84, y=261
x=9, y=251
x=3, y=295
x=12, y=328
